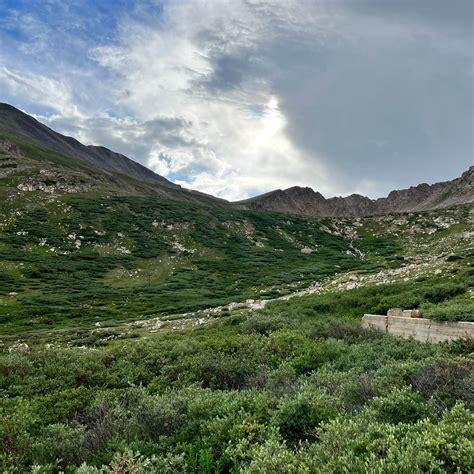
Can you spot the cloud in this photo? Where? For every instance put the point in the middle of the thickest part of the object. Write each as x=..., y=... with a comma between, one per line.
x=238, y=98
x=193, y=69
x=53, y=94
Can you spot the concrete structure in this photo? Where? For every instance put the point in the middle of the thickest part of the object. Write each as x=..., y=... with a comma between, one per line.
x=404, y=313
x=421, y=329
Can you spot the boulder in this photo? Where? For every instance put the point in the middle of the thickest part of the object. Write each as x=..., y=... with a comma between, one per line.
x=20, y=347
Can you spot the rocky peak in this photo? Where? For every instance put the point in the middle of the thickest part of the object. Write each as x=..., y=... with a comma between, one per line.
x=305, y=192
x=424, y=196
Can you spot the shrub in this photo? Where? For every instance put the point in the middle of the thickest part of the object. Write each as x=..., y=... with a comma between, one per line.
x=102, y=420
x=298, y=416
x=63, y=405
x=275, y=457
x=161, y=415
x=400, y=406
x=264, y=325
x=353, y=388
x=347, y=330
x=64, y=443
x=226, y=371
x=283, y=379
x=314, y=354
x=445, y=381
x=451, y=310
x=441, y=291
x=18, y=418
x=356, y=445
x=286, y=342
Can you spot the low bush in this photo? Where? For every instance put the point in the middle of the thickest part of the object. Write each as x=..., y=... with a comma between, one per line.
x=354, y=445
x=400, y=406
x=298, y=416
x=62, y=443
x=458, y=309
x=445, y=381
x=264, y=325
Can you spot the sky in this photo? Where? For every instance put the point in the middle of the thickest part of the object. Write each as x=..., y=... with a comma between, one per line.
x=239, y=97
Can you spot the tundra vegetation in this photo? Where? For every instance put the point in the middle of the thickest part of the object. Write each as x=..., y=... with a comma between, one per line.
x=122, y=352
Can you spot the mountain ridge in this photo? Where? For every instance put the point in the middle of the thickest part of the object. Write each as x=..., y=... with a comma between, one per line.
x=306, y=201
x=16, y=121
x=295, y=200
x=98, y=164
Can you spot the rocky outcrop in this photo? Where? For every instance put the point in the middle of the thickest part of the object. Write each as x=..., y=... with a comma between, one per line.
x=20, y=347
x=54, y=183
x=305, y=201
x=10, y=159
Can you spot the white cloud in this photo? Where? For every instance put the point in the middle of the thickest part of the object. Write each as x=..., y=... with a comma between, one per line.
x=41, y=90
x=238, y=142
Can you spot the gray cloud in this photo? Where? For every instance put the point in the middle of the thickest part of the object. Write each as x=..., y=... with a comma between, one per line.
x=385, y=93
x=391, y=111
x=130, y=136
x=439, y=15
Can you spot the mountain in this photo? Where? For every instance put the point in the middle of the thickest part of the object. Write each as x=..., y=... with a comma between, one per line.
x=35, y=157
x=145, y=327
x=17, y=122
x=305, y=201
x=26, y=141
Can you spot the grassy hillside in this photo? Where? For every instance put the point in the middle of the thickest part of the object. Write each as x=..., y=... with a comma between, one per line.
x=77, y=260
x=131, y=339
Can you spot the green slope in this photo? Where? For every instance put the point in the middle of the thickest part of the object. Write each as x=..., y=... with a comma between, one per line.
x=75, y=259
x=118, y=354
x=104, y=248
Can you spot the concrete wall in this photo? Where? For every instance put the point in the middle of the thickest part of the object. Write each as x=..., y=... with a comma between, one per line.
x=421, y=329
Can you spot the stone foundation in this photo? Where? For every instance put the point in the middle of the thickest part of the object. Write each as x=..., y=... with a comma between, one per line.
x=421, y=329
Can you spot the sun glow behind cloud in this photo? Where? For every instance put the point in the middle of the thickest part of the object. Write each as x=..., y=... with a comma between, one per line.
x=273, y=120
x=234, y=141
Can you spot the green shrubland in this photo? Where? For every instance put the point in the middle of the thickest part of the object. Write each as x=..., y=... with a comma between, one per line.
x=292, y=388
x=81, y=259
x=297, y=387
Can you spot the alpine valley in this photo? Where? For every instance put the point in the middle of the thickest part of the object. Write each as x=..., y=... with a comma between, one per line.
x=145, y=327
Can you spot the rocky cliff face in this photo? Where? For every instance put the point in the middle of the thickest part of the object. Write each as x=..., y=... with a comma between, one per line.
x=305, y=201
